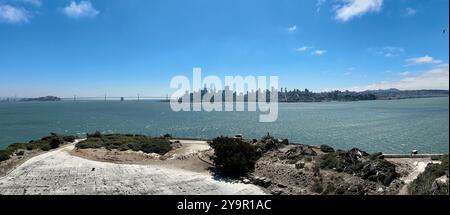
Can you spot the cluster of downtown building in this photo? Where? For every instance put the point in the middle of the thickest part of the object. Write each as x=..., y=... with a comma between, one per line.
x=227, y=95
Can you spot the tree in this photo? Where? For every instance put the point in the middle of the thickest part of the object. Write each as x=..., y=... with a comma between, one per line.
x=233, y=157
x=4, y=155
x=55, y=142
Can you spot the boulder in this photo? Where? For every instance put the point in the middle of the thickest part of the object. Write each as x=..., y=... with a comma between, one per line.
x=276, y=192
x=379, y=171
x=299, y=150
x=439, y=184
x=266, y=183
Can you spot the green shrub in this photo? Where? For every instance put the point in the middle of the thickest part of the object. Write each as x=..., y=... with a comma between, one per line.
x=55, y=142
x=45, y=148
x=96, y=134
x=4, y=155
x=46, y=143
x=167, y=136
x=125, y=142
x=233, y=157
x=155, y=148
x=70, y=138
x=326, y=148
x=329, y=161
x=422, y=185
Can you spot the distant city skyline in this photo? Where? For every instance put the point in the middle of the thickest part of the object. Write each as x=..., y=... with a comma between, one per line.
x=124, y=48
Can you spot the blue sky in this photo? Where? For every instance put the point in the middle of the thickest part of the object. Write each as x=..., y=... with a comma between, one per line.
x=89, y=48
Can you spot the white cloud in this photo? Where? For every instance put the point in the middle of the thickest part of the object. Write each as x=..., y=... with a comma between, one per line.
x=81, y=9
x=303, y=48
x=353, y=8
x=292, y=29
x=405, y=73
x=422, y=60
x=387, y=51
x=435, y=78
x=410, y=11
x=319, y=52
x=13, y=15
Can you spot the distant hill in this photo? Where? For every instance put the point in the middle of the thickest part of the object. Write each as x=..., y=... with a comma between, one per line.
x=308, y=96
x=404, y=94
x=41, y=99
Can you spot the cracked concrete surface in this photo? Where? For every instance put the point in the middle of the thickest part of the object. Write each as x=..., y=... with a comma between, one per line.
x=58, y=172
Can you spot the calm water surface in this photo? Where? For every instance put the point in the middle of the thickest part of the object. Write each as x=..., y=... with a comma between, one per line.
x=396, y=126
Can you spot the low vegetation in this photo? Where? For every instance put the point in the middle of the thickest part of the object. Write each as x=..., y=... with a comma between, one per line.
x=45, y=144
x=326, y=148
x=233, y=157
x=423, y=184
x=329, y=161
x=124, y=142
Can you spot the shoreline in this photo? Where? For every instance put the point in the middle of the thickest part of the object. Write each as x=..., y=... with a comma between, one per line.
x=163, y=101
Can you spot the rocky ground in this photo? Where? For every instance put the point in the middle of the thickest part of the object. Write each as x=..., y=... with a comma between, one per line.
x=300, y=169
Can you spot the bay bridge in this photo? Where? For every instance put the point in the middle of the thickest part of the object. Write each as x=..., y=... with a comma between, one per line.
x=118, y=98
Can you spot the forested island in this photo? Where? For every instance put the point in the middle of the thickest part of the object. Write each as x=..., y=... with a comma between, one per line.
x=41, y=99
x=38, y=99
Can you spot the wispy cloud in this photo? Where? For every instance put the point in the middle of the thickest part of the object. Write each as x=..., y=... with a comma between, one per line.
x=410, y=11
x=422, y=60
x=316, y=52
x=303, y=48
x=80, y=10
x=355, y=8
x=292, y=29
x=319, y=52
x=349, y=71
x=387, y=51
x=13, y=15
x=319, y=5
x=435, y=78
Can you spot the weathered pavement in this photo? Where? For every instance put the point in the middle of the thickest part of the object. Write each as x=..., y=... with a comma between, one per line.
x=58, y=172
